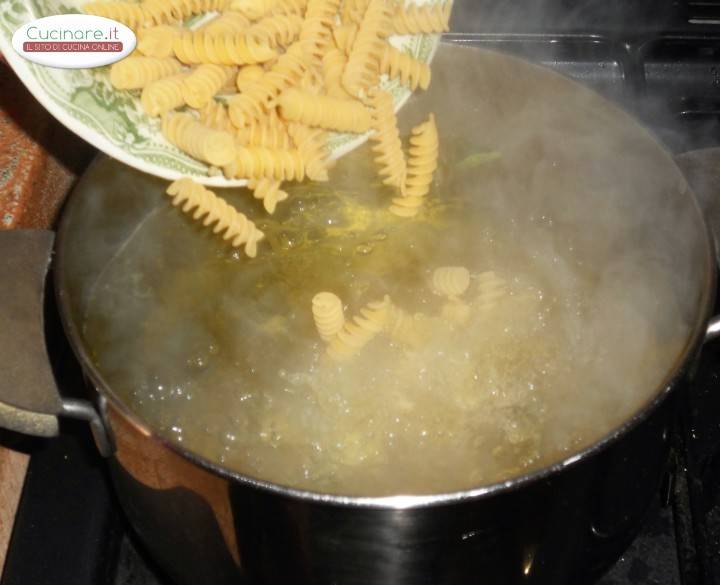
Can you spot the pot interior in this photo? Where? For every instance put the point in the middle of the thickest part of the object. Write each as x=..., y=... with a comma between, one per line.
x=590, y=268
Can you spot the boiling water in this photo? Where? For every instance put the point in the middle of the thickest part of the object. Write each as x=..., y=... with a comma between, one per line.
x=581, y=216
x=220, y=352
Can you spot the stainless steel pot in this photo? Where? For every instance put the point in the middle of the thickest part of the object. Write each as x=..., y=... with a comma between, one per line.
x=205, y=524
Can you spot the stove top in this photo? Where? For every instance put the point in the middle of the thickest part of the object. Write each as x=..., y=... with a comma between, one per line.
x=661, y=61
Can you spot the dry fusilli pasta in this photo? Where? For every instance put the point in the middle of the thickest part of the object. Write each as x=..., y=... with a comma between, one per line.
x=214, y=115
x=257, y=162
x=269, y=191
x=129, y=13
x=360, y=330
x=253, y=9
x=451, y=281
x=422, y=162
x=312, y=144
x=199, y=141
x=329, y=316
x=277, y=30
x=176, y=11
x=353, y=11
x=227, y=220
x=137, y=72
x=411, y=72
x=316, y=31
x=345, y=36
x=247, y=76
x=270, y=132
x=256, y=98
x=201, y=47
x=228, y=23
x=291, y=7
x=425, y=19
x=157, y=41
x=334, y=63
x=205, y=81
x=163, y=95
x=389, y=150
x=325, y=112
x=363, y=68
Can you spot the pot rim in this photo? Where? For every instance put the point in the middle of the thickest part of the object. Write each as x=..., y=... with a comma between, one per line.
x=399, y=502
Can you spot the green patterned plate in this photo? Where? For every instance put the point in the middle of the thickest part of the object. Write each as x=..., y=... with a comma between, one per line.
x=113, y=121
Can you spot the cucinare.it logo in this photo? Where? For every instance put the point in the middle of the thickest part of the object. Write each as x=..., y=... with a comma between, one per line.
x=74, y=41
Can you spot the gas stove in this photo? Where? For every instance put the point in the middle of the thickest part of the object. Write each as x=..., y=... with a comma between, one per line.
x=658, y=59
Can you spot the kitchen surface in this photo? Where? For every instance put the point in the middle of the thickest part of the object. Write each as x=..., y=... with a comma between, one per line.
x=60, y=521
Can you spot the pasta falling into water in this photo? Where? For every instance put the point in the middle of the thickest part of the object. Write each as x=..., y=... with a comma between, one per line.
x=390, y=155
x=270, y=79
x=213, y=211
x=269, y=191
x=422, y=163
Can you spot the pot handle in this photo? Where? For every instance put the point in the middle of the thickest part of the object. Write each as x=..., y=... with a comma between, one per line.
x=29, y=399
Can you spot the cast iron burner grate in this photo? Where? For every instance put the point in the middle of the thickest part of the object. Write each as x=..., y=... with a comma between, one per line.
x=69, y=529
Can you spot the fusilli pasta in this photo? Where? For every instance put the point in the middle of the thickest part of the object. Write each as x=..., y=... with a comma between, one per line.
x=456, y=312
x=254, y=100
x=201, y=47
x=270, y=132
x=199, y=141
x=253, y=9
x=316, y=31
x=345, y=36
x=389, y=150
x=411, y=72
x=312, y=144
x=276, y=30
x=163, y=95
x=214, y=115
x=325, y=112
x=269, y=191
x=422, y=162
x=291, y=7
x=137, y=72
x=363, y=68
x=248, y=75
x=425, y=19
x=228, y=221
x=412, y=330
x=257, y=162
x=491, y=289
x=176, y=11
x=228, y=23
x=204, y=82
x=329, y=316
x=451, y=281
x=157, y=41
x=353, y=11
x=129, y=13
x=334, y=63
x=357, y=333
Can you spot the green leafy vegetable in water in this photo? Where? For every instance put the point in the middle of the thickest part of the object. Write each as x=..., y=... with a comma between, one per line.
x=478, y=158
